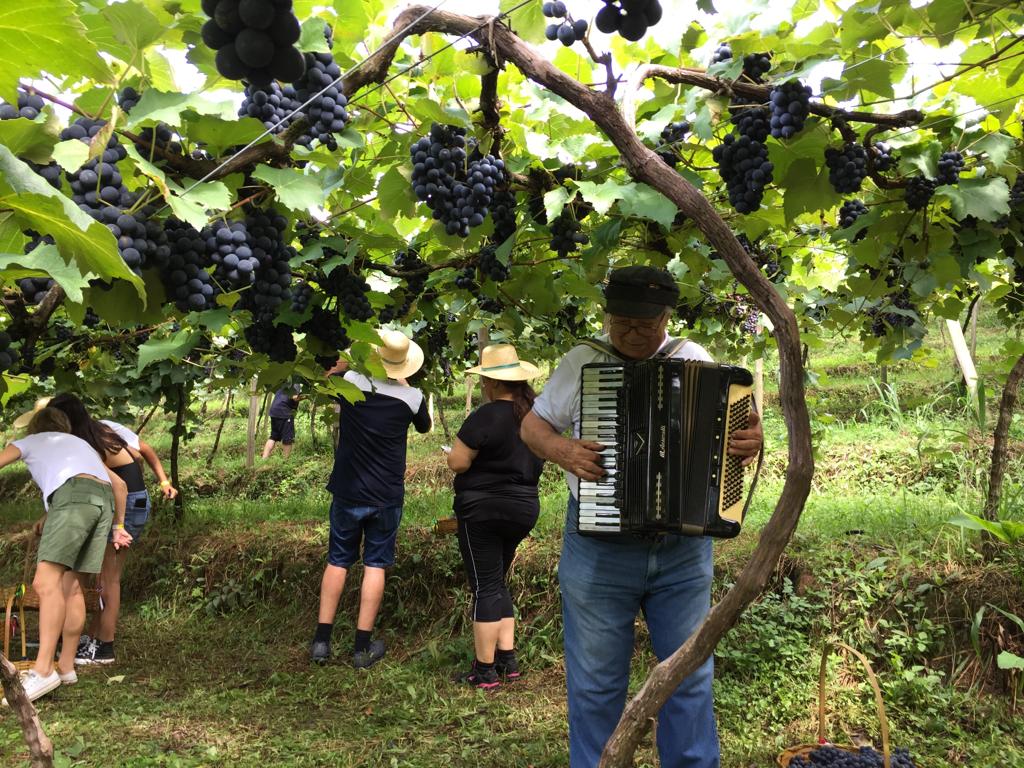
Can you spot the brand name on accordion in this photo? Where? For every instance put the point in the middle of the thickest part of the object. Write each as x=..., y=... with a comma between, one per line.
x=664, y=441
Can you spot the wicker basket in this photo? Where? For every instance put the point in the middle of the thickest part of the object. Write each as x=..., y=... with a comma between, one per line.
x=446, y=526
x=787, y=755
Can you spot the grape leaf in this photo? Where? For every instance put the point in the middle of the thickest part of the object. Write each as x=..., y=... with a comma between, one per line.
x=528, y=21
x=46, y=259
x=293, y=188
x=40, y=207
x=985, y=198
x=602, y=196
x=157, y=107
x=12, y=239
x=312, y=38
x=997, y=146
x=395, y=194
x=172, y=348
x=38, y=35
x=71, y=154
x=646, y=202
x=27, y=139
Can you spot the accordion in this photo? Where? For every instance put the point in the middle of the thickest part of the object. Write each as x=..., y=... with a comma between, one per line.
x=665, y=425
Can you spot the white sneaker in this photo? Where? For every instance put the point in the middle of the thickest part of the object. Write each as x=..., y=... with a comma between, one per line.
x=36, y=685
x=69, y=678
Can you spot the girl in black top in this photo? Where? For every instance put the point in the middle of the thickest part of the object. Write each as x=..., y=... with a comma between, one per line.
x=496, y=504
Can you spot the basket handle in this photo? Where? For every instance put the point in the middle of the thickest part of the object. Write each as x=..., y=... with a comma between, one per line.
x=879, y=704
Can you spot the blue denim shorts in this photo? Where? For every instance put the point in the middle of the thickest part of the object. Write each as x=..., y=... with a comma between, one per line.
x=136, y=514
x=376, y=527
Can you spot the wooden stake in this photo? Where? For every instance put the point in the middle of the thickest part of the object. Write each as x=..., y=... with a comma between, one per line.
x=759, y=384
x=963, y=358
x=40, y=748
x=250, y=442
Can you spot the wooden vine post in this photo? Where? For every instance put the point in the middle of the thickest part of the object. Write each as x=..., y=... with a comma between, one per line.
x=176, y=436
x=220, y=427
x=250, y=433
x=40, y=748
x=999, y=443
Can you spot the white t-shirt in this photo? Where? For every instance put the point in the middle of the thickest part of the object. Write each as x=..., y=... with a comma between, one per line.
x=130, y=438
x=53, y=458
x=559, y=403
x=408, y=395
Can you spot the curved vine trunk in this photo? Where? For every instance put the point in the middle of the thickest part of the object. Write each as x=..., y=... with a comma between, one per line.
x=999, y=444
x=179, y=428
x=644, y=166
x=40, y=748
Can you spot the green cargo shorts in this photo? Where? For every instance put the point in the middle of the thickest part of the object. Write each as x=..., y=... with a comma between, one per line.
x=77, y=524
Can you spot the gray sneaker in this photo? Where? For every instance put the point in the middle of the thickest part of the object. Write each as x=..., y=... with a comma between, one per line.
x=374, y=653
x=320, y=651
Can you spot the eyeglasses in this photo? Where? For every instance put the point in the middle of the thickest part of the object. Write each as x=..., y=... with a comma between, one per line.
x=624, y=325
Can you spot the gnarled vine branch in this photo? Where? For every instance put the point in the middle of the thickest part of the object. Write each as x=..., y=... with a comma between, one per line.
x=40, y=748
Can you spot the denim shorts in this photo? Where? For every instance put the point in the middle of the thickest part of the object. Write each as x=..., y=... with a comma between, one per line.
x=136, y=514
x=376, y=527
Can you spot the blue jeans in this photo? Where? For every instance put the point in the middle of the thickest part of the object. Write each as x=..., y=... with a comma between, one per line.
x=136, y=514
x=376, y=528
x=604, y=584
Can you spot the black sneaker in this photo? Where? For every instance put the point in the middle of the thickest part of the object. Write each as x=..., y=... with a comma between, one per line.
x=95, y=653
x=83, y=644
x=507, y=670
x=374, y=653
x=320, y=651
x=486, y=679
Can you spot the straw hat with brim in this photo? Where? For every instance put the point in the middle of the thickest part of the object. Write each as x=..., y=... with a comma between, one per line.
x=22, y=421
x=501, y=361
x=400, y=356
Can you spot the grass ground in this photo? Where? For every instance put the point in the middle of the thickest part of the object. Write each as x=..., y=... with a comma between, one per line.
x=212, y=666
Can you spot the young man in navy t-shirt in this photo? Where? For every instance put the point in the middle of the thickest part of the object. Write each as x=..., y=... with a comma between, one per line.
x=368, y=485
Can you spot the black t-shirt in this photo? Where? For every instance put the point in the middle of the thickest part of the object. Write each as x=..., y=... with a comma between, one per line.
x=283, y=407
x=501, y=483
x=369, y=465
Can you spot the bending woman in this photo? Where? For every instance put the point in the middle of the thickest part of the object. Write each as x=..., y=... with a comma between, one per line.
x=97, y=647
x=496, y=505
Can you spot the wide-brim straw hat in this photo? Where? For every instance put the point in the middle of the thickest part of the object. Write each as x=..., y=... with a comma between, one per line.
x=501, y=361
x=400, y=355
x=22, y=421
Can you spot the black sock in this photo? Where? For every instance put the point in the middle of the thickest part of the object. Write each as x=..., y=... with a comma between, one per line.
x=363, y=639
x=504, y=656
x=323, y=633
x=482, y=666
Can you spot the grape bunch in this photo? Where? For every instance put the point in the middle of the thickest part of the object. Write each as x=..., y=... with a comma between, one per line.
x=326, y=112
x=1017, y=193
x=270, y=104
x=743, y=312
x=227, y=245
x=865, y=757
x=302, y=294
x=765, y=255
x=630, y=18
x=790, y=104
x=566, y=234
x=185, y=277
x=744, y=166
x=29, y=107
x=503, y=214
x=847, y=167
x=466, y=280
x=488, y=304
x=272, y=286
x=882, y=320
x=752, y=120
x=350, y=289
x=919, y=192
x=326, y=328
x=722, y=53
x=161, y=137
x=490, y=266
x=458, y=194
x=882, y=157
x=274, y=340
x=254, y=39
x=671, y=135
x=756, y=66
x=950, y=165
x=568, y=31
x=849, y=212
x=415, y=269
x=33, y=289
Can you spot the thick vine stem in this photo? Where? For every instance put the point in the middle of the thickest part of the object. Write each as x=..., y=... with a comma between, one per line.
x=752, y=91
x=643, y=165
x=1001, y=438
x=40, y=748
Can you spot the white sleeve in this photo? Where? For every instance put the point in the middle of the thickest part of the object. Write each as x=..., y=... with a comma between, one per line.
x=559, y=401
x=130, y=438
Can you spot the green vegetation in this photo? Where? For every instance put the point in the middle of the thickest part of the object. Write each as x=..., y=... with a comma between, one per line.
x=212, y=664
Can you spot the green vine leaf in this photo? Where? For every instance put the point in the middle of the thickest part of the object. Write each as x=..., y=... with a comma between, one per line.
x=293, y=188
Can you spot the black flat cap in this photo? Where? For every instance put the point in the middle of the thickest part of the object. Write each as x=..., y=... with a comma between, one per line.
x=641, y=292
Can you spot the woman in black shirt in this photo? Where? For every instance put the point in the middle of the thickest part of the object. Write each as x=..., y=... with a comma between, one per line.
x=496, y=504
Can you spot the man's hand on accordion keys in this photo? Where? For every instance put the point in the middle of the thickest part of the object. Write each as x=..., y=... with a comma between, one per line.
x=747, y=442
x=581, y=457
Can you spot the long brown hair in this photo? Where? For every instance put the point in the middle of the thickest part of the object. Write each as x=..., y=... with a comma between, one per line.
x=522, y=396
x=101, y=437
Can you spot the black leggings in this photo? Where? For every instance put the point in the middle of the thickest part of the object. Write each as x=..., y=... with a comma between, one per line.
x=487, y=550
